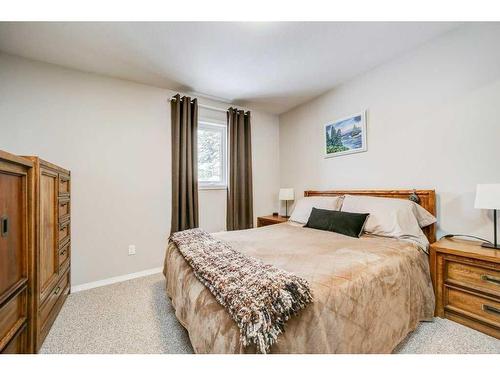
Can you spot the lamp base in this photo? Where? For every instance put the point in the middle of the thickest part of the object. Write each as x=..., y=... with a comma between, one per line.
x=490, y=246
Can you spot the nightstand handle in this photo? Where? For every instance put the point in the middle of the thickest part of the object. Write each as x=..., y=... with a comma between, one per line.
x=490, y=279
x=491, y=309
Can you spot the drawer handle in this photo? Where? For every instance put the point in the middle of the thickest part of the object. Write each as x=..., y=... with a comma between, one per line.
x=491, y=309
x=57, y=290
x=490, y=279
x=4, y=223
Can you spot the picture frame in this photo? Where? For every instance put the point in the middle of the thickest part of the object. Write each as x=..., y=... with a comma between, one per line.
x=345, y=136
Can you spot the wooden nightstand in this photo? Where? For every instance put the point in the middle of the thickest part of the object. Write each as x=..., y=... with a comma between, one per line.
x=262, y=221
x=466, y=281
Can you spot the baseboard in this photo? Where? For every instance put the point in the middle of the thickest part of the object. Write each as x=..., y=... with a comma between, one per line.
x=113, y=280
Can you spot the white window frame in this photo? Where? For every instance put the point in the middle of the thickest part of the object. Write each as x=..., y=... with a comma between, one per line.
x=222, y=128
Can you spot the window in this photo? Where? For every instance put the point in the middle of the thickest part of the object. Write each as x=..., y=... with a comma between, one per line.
x=212, y=155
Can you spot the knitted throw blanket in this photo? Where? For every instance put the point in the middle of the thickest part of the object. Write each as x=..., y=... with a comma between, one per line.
x=259, y=297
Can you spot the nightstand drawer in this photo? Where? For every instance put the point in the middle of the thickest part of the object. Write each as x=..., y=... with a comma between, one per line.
x=483, y=279
x=466, y=281
x=475, y=306
x=263, y=221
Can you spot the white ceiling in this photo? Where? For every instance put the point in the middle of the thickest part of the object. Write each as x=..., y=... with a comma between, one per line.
x=268, y=66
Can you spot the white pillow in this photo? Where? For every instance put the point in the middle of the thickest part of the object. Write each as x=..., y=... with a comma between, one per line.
x=304, y=206
x=423, y=216
x=398, y=218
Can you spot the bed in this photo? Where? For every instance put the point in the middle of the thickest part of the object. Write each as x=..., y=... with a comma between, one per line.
x=369, y=293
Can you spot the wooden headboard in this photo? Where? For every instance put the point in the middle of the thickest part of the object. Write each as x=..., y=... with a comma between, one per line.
x=427, y=201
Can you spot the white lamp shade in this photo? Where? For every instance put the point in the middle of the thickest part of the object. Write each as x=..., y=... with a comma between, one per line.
x=488, y=196
x=287, y=194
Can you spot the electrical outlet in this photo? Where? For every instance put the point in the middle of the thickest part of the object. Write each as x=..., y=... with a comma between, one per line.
x=131, y=249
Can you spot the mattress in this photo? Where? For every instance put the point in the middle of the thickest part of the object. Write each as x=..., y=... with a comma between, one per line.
x=369, y=293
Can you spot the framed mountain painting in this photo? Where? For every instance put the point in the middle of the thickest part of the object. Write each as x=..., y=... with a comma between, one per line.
x=345, y=136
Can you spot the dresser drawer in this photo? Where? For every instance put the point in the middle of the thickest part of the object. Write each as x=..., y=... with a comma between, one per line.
x=64, y=185
x=473, y=305
x=483, y=279
x=64, y=232
x=60, y=290
x=64, y=207
x=64, y=252
x=48, y=312
x=18, y=344
x=13, y=315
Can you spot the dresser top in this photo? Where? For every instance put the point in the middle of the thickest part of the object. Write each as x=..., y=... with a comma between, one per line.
x=15, y=159
x=37, y=160
x=467, y=248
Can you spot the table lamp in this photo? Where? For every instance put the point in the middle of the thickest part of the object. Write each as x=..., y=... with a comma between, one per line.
x=488, y=197
x=286, y=194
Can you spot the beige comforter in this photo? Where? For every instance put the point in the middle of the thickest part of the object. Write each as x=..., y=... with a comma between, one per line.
x=369, y=293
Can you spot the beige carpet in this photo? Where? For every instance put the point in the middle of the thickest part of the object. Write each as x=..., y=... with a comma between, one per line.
x=136, y=317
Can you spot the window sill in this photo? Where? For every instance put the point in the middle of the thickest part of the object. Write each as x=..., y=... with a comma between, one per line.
x=212, y=187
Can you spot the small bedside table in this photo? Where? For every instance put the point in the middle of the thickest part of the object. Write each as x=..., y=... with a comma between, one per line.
x=262, y=221
x=466, y=280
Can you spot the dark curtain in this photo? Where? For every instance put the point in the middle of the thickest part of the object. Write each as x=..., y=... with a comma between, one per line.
x=184, y=163
x=240, y=192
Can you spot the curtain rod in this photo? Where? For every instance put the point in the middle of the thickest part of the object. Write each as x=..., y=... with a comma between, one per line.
x=206, y=106
x=212, y=108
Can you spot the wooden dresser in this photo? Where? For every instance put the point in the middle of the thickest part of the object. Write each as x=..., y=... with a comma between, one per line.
x=14, y=254
x=50, y=267
x=466, y=281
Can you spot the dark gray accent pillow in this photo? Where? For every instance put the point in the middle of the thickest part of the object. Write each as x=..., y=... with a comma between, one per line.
x=347, y=223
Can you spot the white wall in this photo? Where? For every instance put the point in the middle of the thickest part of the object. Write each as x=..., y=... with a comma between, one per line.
x=433, y=122
x=114, y=136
